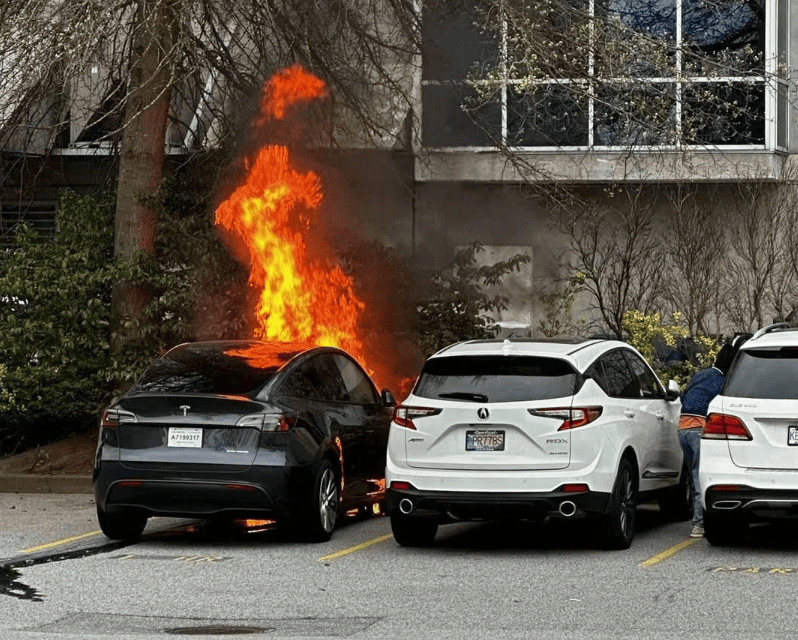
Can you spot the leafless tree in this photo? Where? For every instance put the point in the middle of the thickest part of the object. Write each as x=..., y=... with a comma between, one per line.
x=615, y=253
x=761, y=278
x=695, y=243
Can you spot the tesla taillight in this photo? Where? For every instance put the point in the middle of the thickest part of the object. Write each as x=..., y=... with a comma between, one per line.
x=112, y=418
x=404, y=416
x=720, y=426
x=268, y=421
x=572, y=417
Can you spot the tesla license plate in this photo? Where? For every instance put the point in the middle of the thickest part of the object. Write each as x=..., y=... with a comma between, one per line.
x=792, y=436
x=485, y=440
x=184, y=437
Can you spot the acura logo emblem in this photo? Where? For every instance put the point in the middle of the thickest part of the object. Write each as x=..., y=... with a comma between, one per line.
x=185, y=408
x=483, y=413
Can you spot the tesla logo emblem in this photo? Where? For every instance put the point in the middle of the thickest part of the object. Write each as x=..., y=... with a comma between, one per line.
x=483, y=413
x=185, y=408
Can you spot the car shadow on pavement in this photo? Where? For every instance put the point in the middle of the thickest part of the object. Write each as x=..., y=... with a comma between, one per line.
x=574, y=533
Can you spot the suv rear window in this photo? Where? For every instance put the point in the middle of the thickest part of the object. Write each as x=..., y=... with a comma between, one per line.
x=764, y=373
x=218, y=368
x=496, y=378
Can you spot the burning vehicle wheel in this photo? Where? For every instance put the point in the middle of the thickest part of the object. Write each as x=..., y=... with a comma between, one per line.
x=619, y=523
x=413, y=532
x=325, y=504
x=121, y=526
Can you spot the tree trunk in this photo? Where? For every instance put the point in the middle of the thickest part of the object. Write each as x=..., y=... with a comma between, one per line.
x=142, y=158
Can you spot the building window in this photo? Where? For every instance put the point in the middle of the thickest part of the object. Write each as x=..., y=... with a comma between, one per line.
x=605, y=74
x=40, y=216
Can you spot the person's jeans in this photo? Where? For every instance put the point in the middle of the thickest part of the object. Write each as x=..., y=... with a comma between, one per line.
x=690, y=439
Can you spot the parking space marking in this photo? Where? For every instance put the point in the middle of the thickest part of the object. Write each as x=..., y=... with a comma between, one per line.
x=358, y=547
x=669, y=552
x=58, y=543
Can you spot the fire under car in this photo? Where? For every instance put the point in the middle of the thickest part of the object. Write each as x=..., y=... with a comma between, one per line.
x=244, y=429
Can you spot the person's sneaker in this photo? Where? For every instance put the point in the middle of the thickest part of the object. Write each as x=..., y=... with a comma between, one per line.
x=697, y=532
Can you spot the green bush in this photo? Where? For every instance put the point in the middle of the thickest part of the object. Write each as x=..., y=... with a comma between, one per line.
x=54, y=325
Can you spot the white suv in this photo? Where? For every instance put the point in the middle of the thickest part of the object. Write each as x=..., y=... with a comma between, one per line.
x=528, y=429
x=748, y=469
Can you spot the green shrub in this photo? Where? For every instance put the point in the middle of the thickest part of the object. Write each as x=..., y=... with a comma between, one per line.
x=647, y=333
x=54, y=324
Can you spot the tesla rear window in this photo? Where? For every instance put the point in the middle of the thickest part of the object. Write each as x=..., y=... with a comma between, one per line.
x=224, y=369
x=770, y=374
x=496, y=379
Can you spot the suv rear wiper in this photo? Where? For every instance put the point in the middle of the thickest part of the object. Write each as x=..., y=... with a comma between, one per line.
x=465, y=395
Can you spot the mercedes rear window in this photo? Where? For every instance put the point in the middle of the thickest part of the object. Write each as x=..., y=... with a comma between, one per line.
x=764, y=373
x=496, y=378
x=218, y=368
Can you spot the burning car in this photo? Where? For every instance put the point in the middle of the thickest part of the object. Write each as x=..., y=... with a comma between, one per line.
x=243, y=429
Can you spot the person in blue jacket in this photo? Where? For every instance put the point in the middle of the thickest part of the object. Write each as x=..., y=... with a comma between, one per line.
x=702, y=388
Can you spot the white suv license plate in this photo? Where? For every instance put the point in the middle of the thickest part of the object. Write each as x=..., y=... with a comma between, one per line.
x=792, y=436
x=184, y=437
x=485, y=440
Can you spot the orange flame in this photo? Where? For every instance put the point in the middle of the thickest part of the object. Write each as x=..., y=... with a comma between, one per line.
x=301, y=300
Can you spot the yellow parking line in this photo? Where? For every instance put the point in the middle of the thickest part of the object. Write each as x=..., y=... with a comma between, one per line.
x=60, y=542
x=669, y=552
x=358, y=547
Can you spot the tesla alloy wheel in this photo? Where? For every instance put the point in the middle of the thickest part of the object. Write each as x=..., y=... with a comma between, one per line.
x=619, y=522
x=325, y=503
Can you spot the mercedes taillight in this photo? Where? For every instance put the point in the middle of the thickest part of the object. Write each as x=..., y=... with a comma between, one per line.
x=720, y=426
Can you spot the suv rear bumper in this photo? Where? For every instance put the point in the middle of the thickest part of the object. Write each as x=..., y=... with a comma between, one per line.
x=452, y=506
x=751, y=503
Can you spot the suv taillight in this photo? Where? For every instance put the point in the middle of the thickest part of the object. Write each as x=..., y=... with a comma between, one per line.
x=112, y=418
x=720, y=426
x=572, y=416
x=404, y=416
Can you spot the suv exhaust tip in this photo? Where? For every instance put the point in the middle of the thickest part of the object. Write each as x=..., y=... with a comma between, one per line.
x=567, y=508
x=726, y=504
x=405, y=506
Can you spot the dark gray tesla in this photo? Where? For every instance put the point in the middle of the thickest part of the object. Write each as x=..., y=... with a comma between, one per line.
x=243, y=429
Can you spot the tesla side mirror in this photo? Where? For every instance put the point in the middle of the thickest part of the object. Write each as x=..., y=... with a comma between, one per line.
x=673, y=391
x=387, y=398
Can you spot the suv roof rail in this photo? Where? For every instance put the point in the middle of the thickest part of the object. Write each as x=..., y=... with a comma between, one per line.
x=770, y=328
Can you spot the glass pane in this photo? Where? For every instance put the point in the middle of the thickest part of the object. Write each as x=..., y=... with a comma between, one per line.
x=635, y=38
x=635, y=115
x=768, y=374
x=456, y=116
x=454, y=45
x=724, y=113
x=550, y=115
x=548, y=39
x=723, y=37
x=783, y=42
x=497, y=379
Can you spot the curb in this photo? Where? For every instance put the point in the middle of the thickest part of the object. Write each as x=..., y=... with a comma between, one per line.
x=29, y=483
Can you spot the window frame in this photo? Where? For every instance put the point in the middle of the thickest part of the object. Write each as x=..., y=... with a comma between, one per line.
x=774, y=85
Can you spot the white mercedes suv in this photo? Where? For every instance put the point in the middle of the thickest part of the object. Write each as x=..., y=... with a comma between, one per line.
x=748, y=470
x=530, y=429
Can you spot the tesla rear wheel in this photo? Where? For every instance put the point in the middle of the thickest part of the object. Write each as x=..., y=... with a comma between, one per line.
x=619, y=522
x=723, y=531
x=121, y=526
x=413, y=532
x=324, y=506
x=677, y=503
